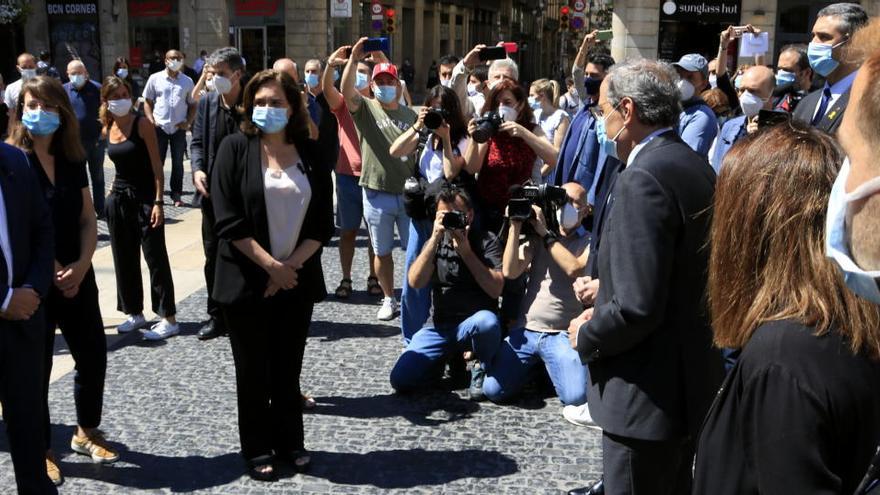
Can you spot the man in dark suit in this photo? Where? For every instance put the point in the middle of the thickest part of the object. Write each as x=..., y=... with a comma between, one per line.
x=834, y=28
x=647, y=340
x=216, y=117
x=26, y=263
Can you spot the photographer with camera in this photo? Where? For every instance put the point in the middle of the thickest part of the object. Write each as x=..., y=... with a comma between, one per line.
x=442, y=130
x=463, y=266
x=553, y=260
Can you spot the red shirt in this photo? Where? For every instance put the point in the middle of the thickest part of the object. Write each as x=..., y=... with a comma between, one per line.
x=349, y=162
x=509, y=162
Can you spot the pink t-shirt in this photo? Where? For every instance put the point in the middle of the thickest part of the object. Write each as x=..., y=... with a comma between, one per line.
x=349, y=162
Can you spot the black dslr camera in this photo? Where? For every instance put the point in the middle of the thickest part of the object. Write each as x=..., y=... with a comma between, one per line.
x=544, y=196
x=435, y=117
x=487, y=126
x=454, y=220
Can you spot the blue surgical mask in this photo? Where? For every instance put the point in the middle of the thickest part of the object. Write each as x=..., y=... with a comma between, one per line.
x=78, y=80
x=270, y=119
x=737, y=83
x=533, y=102
x=567, y=216
x=385, y=94
x=123, y=73
x=312, y=79
x=784, y=77
x=821, y=57
x=362, y=81
x=609, y=146
x=41, y=122
x=837, y=246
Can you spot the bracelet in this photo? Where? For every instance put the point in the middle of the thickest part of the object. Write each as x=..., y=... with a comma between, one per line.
x=158, y=202
x=550, y=238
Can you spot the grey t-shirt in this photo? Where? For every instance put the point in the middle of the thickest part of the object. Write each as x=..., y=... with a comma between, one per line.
x=550, y=302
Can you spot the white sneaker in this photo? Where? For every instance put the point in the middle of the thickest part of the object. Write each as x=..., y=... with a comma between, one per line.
x=133, y=322
x=579, y=415
x=388, y=309
x=162, y=330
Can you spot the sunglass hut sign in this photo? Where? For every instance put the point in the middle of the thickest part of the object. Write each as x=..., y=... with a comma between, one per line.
x=701, y=11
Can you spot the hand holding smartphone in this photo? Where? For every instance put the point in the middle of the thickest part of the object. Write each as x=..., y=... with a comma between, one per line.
x=492, y=53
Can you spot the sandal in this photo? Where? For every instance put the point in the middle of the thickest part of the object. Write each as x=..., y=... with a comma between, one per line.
x=257, y=469
x=373, y=287
x=301, y=460
x=344, y=289
x=308, y=403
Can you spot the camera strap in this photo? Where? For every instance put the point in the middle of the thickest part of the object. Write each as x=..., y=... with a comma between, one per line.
x=424, y=135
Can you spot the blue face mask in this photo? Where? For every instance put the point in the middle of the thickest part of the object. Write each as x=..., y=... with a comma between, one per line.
x=608, y=146
x=312, y=79
x=533, y=102
x=78, y=80
x=837, y=247
x=270, y=119
x=737, y=83
x=40, y=122
x=784, y=77
x=385, y=94
x=821, y=57
x=362, y=81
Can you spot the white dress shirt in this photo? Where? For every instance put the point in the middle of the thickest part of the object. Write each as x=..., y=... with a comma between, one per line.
x=7, y=251
x=171, y=97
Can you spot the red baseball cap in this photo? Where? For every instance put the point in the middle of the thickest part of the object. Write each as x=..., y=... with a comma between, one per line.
x=389, y=69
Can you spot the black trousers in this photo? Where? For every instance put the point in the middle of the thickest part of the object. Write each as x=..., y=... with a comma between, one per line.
x=79, y=319
x=637, y=467
x=268, y=338
x=128, y=219
x=210, y=242
x=22, y=371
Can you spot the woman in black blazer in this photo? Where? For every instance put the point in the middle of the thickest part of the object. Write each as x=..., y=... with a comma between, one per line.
x=273, y=204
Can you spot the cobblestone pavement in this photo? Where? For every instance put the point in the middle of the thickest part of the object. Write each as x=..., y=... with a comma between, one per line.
x=171, y=410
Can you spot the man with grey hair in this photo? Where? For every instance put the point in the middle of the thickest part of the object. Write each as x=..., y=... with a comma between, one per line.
x=216, y=117
x=649, y=319
x=498, y=70
x=85, y=98
x=834, y=28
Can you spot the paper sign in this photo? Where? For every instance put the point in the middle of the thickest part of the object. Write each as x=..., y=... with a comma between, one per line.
x=752, y=45
x=340, y=8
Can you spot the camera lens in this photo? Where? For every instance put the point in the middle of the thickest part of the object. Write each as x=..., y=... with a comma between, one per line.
x=433, y=119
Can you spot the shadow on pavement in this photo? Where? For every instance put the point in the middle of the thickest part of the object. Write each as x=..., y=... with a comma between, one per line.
x=330, y=331
x=426, y=409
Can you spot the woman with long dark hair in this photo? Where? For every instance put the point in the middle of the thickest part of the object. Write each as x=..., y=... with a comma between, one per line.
x=49, y=133
x=799, y=412
x=272, y=196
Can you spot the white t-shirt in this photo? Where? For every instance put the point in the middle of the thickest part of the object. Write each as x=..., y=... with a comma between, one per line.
x=431, y=161
x=10, y=97
x=549, y=123
x=287, y=194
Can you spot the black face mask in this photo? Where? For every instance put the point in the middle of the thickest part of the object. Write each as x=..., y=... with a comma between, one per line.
x=592, y=85
x=786, y=89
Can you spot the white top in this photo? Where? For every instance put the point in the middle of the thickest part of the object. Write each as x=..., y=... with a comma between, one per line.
x=7, y=250
x=549, y=123
x=431, y=162
x=171, y=97
x=10, y=97
x=837, y=89
x=287, y=194
x=478, y=100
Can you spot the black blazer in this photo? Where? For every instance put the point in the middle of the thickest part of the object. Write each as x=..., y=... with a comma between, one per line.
x=240, y=211
x=653, y=369
x=29, y=222
x=203, y=146
x=833, y=115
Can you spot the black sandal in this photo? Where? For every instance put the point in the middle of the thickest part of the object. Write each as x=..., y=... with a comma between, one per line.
x=308, y=403
x=256, y=466
x=301, y=460
x=344, y=289
x=373, y=287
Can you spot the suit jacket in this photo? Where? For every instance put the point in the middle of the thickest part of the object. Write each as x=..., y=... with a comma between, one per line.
x=203, y=148
x=604, y=201
x=833, y=115
x=31, y=236
x=237, y=195
x=653, y=369
x=579, y=155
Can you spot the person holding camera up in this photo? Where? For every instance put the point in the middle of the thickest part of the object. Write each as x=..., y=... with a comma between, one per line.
x=757, y=84
x=442, y=130
x=553, y=260
x=463, y=265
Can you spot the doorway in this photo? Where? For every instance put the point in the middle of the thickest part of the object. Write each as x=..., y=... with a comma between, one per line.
x=251, y=43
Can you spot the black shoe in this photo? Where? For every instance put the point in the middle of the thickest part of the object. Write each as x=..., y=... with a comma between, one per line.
x=597, y=488
x=211, y=330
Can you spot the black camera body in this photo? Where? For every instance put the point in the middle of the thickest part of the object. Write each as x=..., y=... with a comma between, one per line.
x=435, y=117
x=454, y=220
x=545, y=196
x=487, y=126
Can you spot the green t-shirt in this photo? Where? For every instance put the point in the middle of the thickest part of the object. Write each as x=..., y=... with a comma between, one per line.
x=378, y=128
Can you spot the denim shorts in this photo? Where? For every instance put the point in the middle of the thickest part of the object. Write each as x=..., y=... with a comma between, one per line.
x=382, y=212
x=349, y=202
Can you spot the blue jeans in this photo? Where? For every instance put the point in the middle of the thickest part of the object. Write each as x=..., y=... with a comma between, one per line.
x=178, y=145
x=523, y=349
x=415, y=304
x=422, y=362
x=95, y=158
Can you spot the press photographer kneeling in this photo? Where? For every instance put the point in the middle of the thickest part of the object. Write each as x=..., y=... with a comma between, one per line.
x=463, y=266
x=554, y=260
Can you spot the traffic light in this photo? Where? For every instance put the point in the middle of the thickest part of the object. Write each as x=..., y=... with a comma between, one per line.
x=389, y=20
x=564, y=22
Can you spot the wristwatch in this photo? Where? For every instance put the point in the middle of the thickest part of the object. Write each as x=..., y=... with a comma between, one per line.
x=549, y=238
x=158, y=202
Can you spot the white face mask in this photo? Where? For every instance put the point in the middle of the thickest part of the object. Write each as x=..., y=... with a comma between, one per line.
x=446, y=83
x=508, y=114
x=686, y=89
x=174, y=65
x=123, y=73
x=28, y=74
x=222, y=84
x=119, y=108
x=472, y=90
x=751, y=103
x=568, y=217
x=78, y=80
x=713, y=80
x=209, y=84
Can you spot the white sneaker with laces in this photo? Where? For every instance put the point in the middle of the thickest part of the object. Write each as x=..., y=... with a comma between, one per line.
x=579, y=415
x=133, y=322
x=162, y=330
x=388, y=309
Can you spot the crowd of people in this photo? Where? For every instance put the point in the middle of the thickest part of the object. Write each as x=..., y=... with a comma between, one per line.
x=689, y=248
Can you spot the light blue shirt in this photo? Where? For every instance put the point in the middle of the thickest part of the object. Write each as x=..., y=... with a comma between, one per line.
x=697, y=126
x=171, y=97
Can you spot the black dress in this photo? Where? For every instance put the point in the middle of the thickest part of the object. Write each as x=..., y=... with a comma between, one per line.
x=797, y=414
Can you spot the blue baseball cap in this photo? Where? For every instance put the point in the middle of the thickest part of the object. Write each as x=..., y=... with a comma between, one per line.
x=694, y=62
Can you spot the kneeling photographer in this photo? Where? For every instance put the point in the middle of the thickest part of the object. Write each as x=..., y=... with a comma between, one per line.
x=463, y=266
x=554, y=259
x=438, y=139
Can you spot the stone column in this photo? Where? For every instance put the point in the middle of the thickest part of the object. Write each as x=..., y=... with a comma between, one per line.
x=212, y=26
x=766, y=22
x=397, y=38
x=418, y=59
x=113, y=18
x=305, y=29
x=453, y=44
x=36, y=30
x=186, y=13
x=636, y=26
x=435, y=53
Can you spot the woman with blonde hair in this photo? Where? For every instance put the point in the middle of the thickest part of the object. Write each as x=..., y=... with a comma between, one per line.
x=799, y=412
x=48, y=132
x=544, y=99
